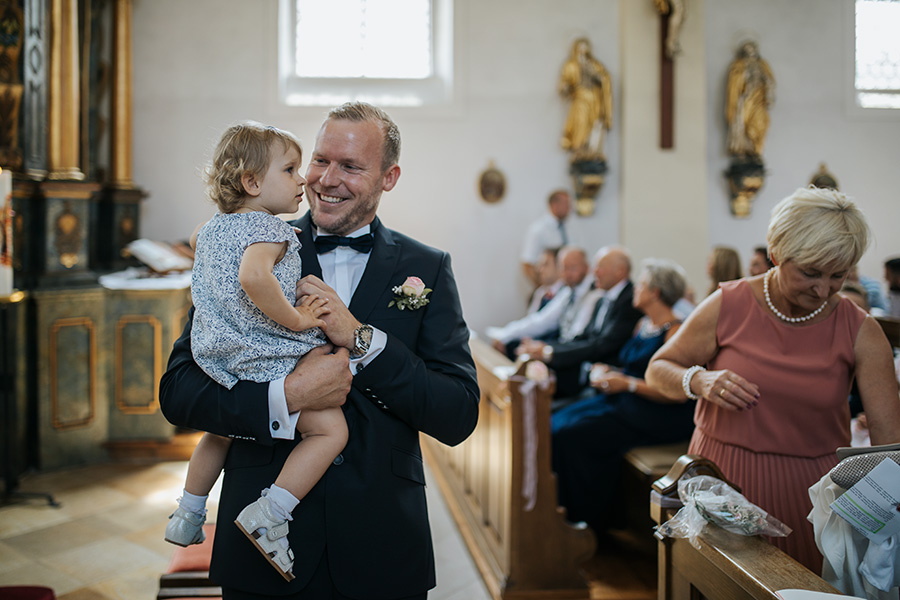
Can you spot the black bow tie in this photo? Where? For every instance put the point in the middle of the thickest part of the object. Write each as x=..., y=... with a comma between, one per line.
x=327, y=243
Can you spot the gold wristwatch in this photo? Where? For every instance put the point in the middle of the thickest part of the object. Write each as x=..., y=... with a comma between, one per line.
x=362, y=339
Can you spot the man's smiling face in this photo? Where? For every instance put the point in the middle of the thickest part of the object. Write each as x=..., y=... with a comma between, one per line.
x=345, y=176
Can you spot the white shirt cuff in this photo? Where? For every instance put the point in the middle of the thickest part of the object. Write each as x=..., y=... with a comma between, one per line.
x=379, y=341
x=282, y=424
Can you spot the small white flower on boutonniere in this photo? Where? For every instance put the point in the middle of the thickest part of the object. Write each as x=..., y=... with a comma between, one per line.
x=410, y=295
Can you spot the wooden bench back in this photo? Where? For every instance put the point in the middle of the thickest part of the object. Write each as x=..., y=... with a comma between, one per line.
x=727, y=566
x=501, y=490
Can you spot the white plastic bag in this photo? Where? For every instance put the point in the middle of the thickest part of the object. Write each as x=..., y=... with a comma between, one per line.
x=710, y=500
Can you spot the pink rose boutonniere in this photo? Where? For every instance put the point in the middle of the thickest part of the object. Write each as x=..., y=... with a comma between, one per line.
x=411, y=294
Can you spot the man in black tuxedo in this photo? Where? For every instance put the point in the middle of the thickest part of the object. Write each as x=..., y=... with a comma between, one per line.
x=610, y=325
x=362, y=532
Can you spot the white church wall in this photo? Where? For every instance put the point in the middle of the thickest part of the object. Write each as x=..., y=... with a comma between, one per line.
x=217, y=66
x=201, y=65
x=809, y=45
x=663, y=197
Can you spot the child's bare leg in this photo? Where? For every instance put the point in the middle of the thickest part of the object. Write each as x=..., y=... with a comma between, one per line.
x=324, y=434
x=185, y=525
x=206, y=464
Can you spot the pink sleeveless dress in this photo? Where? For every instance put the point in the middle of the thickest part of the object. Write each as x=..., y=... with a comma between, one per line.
x=775, y=451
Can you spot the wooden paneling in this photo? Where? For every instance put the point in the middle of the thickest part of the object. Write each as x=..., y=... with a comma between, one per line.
x=502, y=493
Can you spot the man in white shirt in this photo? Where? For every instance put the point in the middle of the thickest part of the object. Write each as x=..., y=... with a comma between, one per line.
x=547, y=270
x=558, y=318
x=549, y=231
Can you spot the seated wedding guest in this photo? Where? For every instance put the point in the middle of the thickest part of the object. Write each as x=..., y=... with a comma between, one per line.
x=556, y=319
x=770, y=360
x=875, y=298
x=724, y=265
x=591, y=436
x=548, y=278
x=759, y=261
x=605, y=324
x=856, y=293
x=892, y=276
x=549, y=231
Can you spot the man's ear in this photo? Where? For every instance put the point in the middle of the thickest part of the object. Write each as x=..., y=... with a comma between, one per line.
x=390, y=178
x=251, y=183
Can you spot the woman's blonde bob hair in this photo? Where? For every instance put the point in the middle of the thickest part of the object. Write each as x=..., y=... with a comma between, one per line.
x=244, y=148
x=818, y=228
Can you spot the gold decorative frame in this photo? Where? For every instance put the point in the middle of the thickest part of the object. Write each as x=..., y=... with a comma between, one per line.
x=180, y=319
x=123, y=322
x=92, y=362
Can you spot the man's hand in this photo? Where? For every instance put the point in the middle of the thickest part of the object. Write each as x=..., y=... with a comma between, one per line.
x=532, y=348
x=320, y=380
x=340, y=322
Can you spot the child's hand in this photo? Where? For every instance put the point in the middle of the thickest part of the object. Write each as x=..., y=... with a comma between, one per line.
x=309, y=309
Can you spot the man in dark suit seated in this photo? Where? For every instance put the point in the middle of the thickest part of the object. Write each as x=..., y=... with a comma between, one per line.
x=362, y=531
x=611, y=323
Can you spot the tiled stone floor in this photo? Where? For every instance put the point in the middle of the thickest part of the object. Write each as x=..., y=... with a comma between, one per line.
x=105, y=541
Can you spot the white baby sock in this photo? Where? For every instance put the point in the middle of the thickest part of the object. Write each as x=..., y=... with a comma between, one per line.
x=282, y=503
x=192, y=503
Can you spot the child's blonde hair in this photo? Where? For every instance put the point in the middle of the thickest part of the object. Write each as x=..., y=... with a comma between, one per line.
x=244, y=148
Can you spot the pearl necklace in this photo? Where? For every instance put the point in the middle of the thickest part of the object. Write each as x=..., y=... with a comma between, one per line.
x=781, y=315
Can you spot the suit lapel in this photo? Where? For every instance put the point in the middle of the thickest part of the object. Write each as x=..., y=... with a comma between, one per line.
x=379, y=271
x=612, y=313
x=379, y=268
x=307, y=249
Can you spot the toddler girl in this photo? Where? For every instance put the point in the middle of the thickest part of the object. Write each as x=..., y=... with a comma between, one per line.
x=246, y=326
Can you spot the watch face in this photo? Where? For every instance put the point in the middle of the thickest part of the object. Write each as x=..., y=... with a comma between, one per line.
x=362, y=339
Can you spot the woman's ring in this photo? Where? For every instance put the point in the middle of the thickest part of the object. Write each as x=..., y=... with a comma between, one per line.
x=722, y=392
x=604, y=385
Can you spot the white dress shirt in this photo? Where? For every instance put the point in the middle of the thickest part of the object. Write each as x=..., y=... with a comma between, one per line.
x=540, y=292
x=543, y=234
x=342, y=269
x=545, y=320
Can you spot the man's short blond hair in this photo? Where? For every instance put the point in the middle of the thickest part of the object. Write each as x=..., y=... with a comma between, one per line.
x=362, y=111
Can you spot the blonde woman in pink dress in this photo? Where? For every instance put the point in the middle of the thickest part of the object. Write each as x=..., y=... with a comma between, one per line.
x=771, y=359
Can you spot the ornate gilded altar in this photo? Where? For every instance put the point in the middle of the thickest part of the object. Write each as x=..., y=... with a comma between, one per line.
x=90, y=358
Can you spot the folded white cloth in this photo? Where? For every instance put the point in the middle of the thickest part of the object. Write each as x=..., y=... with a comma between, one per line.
x=852, y=563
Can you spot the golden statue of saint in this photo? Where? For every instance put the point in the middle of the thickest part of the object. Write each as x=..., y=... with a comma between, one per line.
x=586, y=83
x=749, y=93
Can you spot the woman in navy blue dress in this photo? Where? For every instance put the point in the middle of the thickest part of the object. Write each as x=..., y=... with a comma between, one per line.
x=591, y=436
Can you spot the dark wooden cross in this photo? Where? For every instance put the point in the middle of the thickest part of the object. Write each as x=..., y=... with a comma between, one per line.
x=666, y=88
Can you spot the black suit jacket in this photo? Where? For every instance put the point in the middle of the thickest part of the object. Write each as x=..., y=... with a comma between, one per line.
x=600, y=344
x=369, y=509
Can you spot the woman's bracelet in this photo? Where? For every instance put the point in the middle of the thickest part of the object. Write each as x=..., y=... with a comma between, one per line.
x=686, y=381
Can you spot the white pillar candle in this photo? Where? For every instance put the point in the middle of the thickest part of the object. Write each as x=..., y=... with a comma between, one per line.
x=6, y=217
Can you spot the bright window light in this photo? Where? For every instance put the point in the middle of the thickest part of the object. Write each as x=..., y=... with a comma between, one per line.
x=378, y=38
x=878, y=53
x=388, y=52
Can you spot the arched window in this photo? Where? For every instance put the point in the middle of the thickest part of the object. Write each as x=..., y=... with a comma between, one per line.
x=388, y=52
x=877, y=55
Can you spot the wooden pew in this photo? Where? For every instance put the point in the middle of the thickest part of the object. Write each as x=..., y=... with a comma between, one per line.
x=727, y=566
x=188, y=573
x=521, y=551
x=891, y=327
